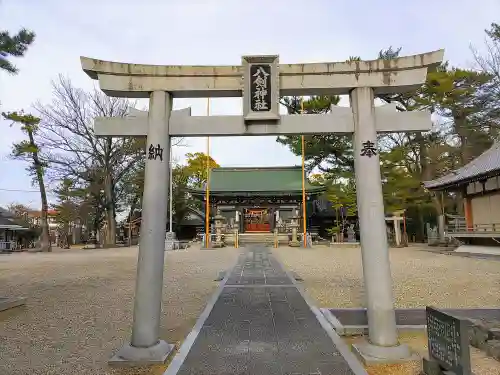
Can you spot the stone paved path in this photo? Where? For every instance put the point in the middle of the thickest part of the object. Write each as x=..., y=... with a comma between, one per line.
x=260, y=324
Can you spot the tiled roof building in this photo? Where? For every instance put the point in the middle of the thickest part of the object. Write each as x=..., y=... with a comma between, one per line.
x=484, y=166
x=479, y=183
x=260, y=196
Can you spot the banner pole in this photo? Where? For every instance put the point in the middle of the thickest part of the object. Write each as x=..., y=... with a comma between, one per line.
x=304, y=211
x=207, y=188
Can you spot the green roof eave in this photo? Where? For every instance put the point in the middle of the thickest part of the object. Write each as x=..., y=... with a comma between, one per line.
x=261, y=181
x=310, y=190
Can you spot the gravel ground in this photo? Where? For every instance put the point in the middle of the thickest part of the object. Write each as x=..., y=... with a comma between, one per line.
x=334, y=277
x=79, y=308
x=80, y=302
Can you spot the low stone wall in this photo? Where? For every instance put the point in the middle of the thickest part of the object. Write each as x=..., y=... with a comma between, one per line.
x=485, y=336
x=484, y=333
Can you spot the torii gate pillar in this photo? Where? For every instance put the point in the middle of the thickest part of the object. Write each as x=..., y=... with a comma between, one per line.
x=264, y=80
x=374, y=249
x=377, y=276
x=145, y=345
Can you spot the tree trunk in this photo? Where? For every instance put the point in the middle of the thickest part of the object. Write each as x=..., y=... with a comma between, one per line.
x=420, y=229
x=436, y=199
x=463, y=134
x=66, y=236
x=96, y=231
x=426, y=174
x=133, y=206
x=46, y=245
x=459, y=203
x=422, y=157
x=109, y=197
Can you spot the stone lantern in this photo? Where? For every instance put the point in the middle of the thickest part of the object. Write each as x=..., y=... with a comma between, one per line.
x=294, y=225
x=219, y=224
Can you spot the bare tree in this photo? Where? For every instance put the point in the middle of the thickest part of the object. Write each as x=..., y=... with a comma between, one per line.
x=72, y=150
x=489, y=63
x=20, y=212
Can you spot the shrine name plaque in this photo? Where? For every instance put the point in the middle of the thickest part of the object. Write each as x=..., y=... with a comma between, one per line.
x=261, y=89
x=448, y=341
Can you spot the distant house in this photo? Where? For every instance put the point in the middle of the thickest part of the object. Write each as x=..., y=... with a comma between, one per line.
x=35, y=218
x=9, y=230
x=192, y=223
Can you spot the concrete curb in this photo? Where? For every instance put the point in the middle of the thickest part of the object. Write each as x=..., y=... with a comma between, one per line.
x=334, y=322
x=413, y=318
x=11, y=302
x=462, y=254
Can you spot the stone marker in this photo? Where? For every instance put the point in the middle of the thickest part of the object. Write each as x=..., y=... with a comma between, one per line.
x=170, y=240
x=351, y=234
x=448, y=341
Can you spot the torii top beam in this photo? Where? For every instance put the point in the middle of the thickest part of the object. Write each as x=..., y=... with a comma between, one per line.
x=384, y=76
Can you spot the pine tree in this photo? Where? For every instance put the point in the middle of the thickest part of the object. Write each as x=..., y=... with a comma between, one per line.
x=14, y=45
x=29, y=151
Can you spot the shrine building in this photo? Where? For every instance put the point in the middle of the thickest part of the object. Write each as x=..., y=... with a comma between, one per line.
x=479, y=184
x=259, y=199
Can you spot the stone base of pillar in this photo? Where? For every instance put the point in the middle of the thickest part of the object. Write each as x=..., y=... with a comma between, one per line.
x=371, y=354
x=294, y=244
x=129, y=355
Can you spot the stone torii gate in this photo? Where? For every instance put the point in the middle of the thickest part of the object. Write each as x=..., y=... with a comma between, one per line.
x=260, y=80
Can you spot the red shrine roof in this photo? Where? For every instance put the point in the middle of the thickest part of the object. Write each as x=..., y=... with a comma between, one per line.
x=485, y=165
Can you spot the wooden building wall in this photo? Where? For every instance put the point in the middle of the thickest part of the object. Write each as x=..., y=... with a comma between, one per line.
x=486, y=209
x=482, y=202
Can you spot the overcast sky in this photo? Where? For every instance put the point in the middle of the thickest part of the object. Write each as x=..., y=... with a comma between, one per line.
x=217, y=32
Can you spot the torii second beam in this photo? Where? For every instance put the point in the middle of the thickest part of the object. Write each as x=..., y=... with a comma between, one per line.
x=339, y=120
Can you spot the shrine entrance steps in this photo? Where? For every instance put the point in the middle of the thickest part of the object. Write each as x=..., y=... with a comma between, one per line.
x=259, y=323
x=256, y=238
